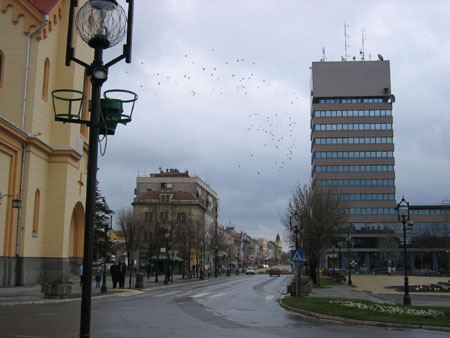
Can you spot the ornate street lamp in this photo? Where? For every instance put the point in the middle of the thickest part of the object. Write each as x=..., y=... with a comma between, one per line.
x=101, y=24
x=403, y=216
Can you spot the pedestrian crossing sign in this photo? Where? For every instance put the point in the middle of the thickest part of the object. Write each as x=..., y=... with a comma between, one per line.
x=297, y=256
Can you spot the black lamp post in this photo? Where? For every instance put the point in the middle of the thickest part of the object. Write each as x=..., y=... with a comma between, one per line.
x=202, y=271
x=104, y=288
x=349, y=238
x=403, y=216
x=216, y=261
x=101, y=24
x=166, y=278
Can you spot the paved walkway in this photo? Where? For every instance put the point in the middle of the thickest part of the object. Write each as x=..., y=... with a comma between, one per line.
x=32, y=294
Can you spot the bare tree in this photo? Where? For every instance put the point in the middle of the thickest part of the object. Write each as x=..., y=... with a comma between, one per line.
x=133, y=231
x=321, y=213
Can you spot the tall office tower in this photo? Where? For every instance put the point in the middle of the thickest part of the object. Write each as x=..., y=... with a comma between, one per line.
x=352, y=150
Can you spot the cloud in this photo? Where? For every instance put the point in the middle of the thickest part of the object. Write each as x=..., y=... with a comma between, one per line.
x=224, y=93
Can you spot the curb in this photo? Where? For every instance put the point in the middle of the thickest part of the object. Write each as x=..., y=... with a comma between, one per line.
x=362, y=322
x=123, y=293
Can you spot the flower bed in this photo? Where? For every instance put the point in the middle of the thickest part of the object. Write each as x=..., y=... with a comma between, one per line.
x=390, y=309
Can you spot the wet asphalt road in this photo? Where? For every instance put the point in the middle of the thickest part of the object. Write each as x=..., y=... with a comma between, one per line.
x=241, y=306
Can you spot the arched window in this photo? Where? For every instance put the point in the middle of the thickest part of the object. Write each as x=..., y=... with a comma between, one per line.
x=45, y=80
x=2, y=67
x=37, y=198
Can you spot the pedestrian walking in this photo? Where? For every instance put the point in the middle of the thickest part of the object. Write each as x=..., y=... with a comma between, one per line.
x=98, y=278
x=122, y=274
x=115, y=274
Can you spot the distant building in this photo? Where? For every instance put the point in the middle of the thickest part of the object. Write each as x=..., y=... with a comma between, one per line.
x=172, y=201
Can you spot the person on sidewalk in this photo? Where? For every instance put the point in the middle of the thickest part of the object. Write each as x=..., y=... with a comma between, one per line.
x=115, y=274
x=98, y=278
x=122, y=274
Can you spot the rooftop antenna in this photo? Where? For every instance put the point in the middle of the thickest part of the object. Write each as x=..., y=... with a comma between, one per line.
x=323, y=54
x=346, y=46
x=363, y=38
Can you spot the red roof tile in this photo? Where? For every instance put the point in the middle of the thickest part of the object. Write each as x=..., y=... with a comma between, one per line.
x=182, y=195
x=151, y=194
x=44, y=6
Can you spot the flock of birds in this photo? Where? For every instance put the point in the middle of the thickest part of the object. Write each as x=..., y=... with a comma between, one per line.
x=271, y=134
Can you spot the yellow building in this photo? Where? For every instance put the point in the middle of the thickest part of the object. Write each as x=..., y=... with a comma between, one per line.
x=43, y=163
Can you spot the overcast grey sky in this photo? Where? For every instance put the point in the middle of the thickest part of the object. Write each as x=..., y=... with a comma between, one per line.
x=224, y=93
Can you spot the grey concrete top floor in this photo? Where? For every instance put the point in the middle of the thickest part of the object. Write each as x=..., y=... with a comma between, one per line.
x=350, y=78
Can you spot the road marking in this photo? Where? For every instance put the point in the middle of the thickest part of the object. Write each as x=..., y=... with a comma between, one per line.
x=218, y=295
x=269, y=297
x=167, y=293
x=200, y=295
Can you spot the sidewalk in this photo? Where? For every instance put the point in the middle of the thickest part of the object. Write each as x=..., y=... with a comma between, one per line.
x=32, y=294
x=373, y=288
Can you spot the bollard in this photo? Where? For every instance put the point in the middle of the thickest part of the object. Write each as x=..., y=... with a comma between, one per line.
x=139, y=280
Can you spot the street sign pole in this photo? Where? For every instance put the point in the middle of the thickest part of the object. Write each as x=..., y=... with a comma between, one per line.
x=297, y=258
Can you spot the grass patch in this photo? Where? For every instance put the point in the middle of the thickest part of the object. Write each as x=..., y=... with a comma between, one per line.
x=358, y=310
x=326, y=282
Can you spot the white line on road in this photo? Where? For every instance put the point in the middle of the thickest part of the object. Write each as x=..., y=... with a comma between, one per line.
x=218, y=295
x=200, y=295
x=167, y=293
x=269, y=297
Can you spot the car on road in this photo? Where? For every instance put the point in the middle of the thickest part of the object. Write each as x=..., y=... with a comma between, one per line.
x=250, y=271
x=274, y=271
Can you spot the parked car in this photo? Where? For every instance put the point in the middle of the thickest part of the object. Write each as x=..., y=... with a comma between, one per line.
x=250, y=271
x=274, y=271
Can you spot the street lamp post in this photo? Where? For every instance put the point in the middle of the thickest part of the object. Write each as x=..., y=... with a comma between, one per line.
x=166, y=278
x=403, y=216
x=101, y=24
x=349, y=238
x=216, y=270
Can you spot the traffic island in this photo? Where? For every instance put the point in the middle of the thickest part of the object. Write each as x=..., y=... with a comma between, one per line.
x=364, y=312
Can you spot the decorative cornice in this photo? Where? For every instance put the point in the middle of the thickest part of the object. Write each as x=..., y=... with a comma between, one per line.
x=21, y=136
x=32, y=16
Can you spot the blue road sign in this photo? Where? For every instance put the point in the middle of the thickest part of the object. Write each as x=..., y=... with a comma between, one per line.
x=297, y=256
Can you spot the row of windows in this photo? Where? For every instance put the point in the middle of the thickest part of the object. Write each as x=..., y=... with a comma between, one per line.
x=353, y=100
x=353, y=140
x=368, y=197
x=371, y=211
x=353, y=154
x=352, y=168
x=352, y=126
x=429, y=211
x=352, y=113
x=354, y=183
